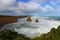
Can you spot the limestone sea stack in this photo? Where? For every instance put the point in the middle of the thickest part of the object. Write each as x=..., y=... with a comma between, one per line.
x=36, y=20
x=29, y=19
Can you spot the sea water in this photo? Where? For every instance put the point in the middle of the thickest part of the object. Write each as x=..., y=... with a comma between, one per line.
x=33, y=29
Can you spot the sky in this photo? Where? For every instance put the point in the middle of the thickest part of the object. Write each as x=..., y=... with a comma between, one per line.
x=30, y=7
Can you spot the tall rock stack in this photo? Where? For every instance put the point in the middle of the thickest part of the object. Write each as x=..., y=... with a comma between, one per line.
x=29, y=19
x=36, y=20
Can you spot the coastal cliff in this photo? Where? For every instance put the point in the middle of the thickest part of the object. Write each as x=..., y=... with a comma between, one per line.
x=9, y=19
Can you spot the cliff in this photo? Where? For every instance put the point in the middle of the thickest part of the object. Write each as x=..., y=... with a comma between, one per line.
x=9, y=19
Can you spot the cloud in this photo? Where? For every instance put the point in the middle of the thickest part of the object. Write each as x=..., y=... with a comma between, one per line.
x=12, y=7
x=21, y=8
x=45, y=1
x=29, y=7
x=47, y=8
x=8, y=2
x=54, y=3
x=50, y=5
x=41, y=1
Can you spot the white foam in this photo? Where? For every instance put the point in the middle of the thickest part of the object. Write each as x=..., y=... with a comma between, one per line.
x=33, y=29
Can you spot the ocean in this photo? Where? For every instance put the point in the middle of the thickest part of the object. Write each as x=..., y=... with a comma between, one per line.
x=33, y=29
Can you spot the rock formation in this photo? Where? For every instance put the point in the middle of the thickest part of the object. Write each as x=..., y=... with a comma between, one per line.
x=29, y=19
x=9, y=19
x=36, y=20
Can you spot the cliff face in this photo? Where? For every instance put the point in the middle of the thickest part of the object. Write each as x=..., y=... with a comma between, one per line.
x=7, y=19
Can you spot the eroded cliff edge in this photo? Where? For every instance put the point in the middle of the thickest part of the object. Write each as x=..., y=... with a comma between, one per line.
x=9, y=19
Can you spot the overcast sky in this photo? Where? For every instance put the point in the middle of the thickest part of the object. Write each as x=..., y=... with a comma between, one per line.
x=30, y=7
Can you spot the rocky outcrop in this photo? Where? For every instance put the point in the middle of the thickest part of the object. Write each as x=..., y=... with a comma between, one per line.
x=36, y=20
x=29, y=19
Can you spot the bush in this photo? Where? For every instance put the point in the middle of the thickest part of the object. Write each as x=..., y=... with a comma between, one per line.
x=9, y=35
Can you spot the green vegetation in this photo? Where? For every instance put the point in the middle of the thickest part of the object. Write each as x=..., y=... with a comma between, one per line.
x=54, y=34
x=9, y=35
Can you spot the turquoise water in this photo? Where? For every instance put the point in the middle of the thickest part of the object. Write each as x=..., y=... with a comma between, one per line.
x=33, y=29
